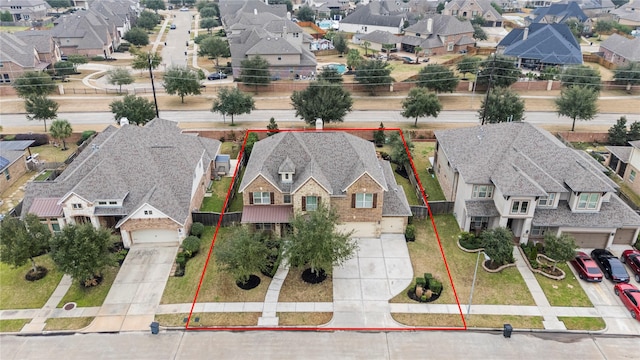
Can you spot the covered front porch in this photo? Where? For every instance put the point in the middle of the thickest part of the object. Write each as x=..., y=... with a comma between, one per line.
x=268, y=218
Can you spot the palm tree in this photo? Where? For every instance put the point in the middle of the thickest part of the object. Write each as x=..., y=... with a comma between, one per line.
x=387, y=48
x=417, y=50
x=60, y=130
x=366, y=45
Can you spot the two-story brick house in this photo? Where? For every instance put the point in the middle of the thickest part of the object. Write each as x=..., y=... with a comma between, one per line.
x=470, y=9
x=295, y=172
x=438, y=35
x=625, y=162
x=518, y=176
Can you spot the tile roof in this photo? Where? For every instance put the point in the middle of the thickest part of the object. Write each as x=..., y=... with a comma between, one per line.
x=612, y=214
x=548, y=43
x=620, y=45
x=621, y=152
x=152, y=164
x=258, y=214
x=517, y=157
x=46, y=208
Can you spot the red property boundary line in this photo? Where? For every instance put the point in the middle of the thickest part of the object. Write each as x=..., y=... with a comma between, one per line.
x=323, y=329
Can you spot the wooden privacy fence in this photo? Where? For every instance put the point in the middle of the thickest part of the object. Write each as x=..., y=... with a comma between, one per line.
x=212, y=218
x=437, y=208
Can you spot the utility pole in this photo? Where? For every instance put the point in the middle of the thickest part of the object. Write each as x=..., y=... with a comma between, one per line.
x=153, y=86
x=486, y=98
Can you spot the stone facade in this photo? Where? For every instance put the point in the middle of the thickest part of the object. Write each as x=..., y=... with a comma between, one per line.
x=260, y=184
x=310, y=188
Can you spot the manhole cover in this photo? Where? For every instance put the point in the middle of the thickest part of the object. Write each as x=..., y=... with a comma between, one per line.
x=69, y=306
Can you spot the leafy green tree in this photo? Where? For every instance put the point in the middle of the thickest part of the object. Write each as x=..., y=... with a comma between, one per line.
x=497, y=7
x=603, y=26
x=136, y=109
x=60, y=130
x=420, y=103
x=209, y=23
x=6, y=16
x=575, y=27
x=353, y=59
x=577, y=102
x=634, y=131
x=137, y=36
x=57, y=4
x=583, y=75
x=242, y=254
x=181, y=81
x=550, y=73
x=82, y=252
x=417, y=50
x=22, y=241
x=365, y=45
x=628, y=74
x=40, y=107
x=378, y=136
x=119, y=76
x=477, y=20
x=330, y=75
x=399, y=154
x=311, y=103
x=340, y=43
x=232, y=101
x=315, y=242
x=498, y=245
x=154, y=5
x=468, y=64
x=502, y=105
x=373, y=73
x=200, y=5
x=560, y=248
x=33, y=83
x=618, y=132
x=141, y=61
x=208, y=12
x=438, y=78
x=440, y=7
x=479, y=33
x=255, y=71
x=272, y=126
x=501, y=71
x=252, y=139
x=306, y=13
x=148, y=20
x=76, y=59
x=214, y=47
x=63, y=68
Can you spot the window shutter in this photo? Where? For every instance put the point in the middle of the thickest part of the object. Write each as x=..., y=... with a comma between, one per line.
x=272, y=199
x=251, y=198
x=353, y=201
x=304, y=203
x=375, y=200
x=318, y=201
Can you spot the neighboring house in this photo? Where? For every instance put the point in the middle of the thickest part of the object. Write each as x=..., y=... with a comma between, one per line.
x=469, y=9
x=377, y=15
x=325, y=8
x=280, y=41
x=123, y=13
x=13, y=161
x=625, y=162
x=379, y=38
x=439, y=35
x=518, y=176
x=25, y=10
x=596, y=8
x=16, y=57
x=620, y=50
x=560, y=14
x=46, y=47
x=86, y=32
x=628, y=14
x=141, y=181
x=294, y=172
x=541, y=45
x=230, y=9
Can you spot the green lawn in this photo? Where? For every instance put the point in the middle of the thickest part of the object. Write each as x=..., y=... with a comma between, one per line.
x=44, y=175
x=93, y=296
x=408, y=189
x=230, y=147
x=583, y=323
x=74, y=323
x=13, y=325
x=215, y=202
x=18, y=293
x=421, y=154
x=566, y=292
x=13, y=29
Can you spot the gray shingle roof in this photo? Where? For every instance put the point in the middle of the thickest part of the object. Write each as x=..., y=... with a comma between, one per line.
x=485, y=5
x=443, y=25
x=381, y=37
x=518, y=157
x=481, y=208
x=376, y=13
x=548, y=43
x=153, y=164
x=621, y=152
x=42, y=40
x=628, y=11
x=395, y=201
x=614, y=213
x=560, y=13
x=620, y=45
x=15, y=50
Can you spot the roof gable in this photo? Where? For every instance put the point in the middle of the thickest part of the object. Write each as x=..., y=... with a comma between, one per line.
x=549, y=43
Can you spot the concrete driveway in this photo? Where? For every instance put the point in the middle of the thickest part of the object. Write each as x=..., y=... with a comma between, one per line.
x=136, y=292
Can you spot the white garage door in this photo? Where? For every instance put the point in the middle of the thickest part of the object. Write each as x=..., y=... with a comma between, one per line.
x=590, y=240
x=154, y=236
x=360, y=229
x=392, y=225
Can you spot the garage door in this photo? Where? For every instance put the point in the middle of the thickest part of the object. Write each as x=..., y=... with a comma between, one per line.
x=590, y=240
x=624, y=236
x=360, y=229
x=392, y=225
x=154, y=236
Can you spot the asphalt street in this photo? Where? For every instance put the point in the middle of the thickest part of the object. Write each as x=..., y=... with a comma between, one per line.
x=174, y=53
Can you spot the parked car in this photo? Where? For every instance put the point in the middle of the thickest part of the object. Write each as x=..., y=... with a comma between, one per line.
x=632, y=259
x=610, y=265
x=172, y=27
x=586, y=268
x=184, y=9
x=630, y=296
x=217, y=76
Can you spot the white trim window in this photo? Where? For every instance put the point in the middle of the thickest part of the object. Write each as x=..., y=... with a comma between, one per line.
x=588, y=201
x=364, y=201
x=538, y=231
x=547, y=201
x=76, y=206
x=450, y=46
x=632, y=175
x=311, y=203
x=519, y=207
x=261, y=198
x=482, y=191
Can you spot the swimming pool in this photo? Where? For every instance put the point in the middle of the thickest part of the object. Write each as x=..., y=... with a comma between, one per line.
x=341, y=68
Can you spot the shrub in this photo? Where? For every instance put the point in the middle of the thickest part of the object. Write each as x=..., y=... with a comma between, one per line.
x=410, y=233
x=470, y=242
x=421, y=282
x=191, y=245
x=85, y=135
x=181, y=259
x=540, y=248
x=385, y=156
x=435, y=286
x=197, y=229
x=98, y=58
x=40, y=139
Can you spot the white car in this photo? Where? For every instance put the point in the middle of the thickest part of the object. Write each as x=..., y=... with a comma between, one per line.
x=184, y=9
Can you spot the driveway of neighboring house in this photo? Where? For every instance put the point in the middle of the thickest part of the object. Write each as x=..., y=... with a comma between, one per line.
x=136, y=292
x=363, y=286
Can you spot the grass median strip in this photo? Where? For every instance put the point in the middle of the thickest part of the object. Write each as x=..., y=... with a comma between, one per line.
x=304, y=318
x=478, y=321
x=210, y=319
x=75, y=323
x=13, y=325
x=583, y=323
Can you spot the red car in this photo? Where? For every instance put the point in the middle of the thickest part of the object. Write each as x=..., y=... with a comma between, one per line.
x=630, y=296
x=632, y=259
x=586, y=268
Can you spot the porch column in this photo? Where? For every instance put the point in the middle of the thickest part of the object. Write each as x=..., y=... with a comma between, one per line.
x=503, y=222
x=526, y=229
x=126, y=239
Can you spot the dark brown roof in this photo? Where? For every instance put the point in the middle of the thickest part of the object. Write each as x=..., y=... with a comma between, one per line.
x=276, y=214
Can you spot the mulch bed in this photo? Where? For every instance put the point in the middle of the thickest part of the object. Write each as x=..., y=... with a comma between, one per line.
x=411, y=293
x=40, y=272
x=313, y=278
x=253, y=282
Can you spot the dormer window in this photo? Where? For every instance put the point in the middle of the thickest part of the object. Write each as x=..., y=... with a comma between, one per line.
x=588, y=201
x=287, y=170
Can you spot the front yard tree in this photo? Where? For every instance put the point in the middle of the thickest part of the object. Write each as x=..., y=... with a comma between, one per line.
x=232, y=101
x=366, y=45
x=618, y=132
x=202, y=4
x=399, y=152
x=181, y=81
x=255, y=71
x=6, y=16
x=22, y=241
x=502, y=105
x=62, y=68
x=57, y=4
x=272, y=126
x=438, y=78
x=242, y=253
x=498, y=70
x=634, y=131
x=387, y=49
x=137, y=36
x=82, y=252
x=420, y=103
x=468, y=64
x=577, y=102
x=209, y=23
x=305, y=13
x=208, y=12
x=340, y=43
x=330, y=75
x=311, y=103
x=353, y=59
x=373, y=73
x=119, y=76
x=214, y=47
x=60, y=130
x=582, y=75
x=136, y=109
x=148, y=20
x=154, y=5
x=378, y=136
x=628, y=74
x=76, y=60
x=479, y=33
x=40, y=107
x=498, y=245
x=33, y=83
x=560, y=248
x=142, y=60
x=315, y=242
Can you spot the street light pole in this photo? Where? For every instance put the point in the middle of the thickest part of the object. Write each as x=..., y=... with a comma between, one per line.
x=473, y=284
x=153, y=86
